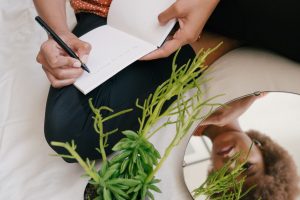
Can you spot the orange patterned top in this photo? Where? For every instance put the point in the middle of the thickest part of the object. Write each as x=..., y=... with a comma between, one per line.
x=98, y=7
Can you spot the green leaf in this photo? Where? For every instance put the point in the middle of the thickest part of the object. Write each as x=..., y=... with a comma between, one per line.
x=150, y=195
x=138, y=188
x=130, y=169
x=91, y=181
x=104, y=167
x=108, y=173
x=139, y=164
x=134, y=196
x=121, y=156
x=128, y=182
x=97, y=198
x=153, y=158
x=119, y=146
x=131, y=182
x=118, y=197
x=144, y=192
x=154, y=188
x=124, y=165
x=134, y=155
x=154, y=181
x=118, y=191
x=144, y=156
x=147, y=144
x=157, y=154
x=115, y=166
x=106, y=194
x=131, y=134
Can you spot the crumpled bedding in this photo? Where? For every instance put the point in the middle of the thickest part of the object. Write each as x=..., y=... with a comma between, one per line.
x=27, y=172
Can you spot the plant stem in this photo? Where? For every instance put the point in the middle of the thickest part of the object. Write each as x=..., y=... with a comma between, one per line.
x=162, y=160
x=153, y=118
x=103, y=154
x=99, y=122
x=76, y=156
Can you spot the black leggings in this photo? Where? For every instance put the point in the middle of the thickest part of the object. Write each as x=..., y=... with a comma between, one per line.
x=269, y=24
x=69, y=117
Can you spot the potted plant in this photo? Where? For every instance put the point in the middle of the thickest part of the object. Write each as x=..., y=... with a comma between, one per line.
x=130, y=173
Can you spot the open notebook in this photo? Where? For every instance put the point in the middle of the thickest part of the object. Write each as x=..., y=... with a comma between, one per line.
x=132, y=31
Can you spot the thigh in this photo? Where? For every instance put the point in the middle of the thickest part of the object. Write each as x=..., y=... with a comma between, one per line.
x=68, y=116
x=269, y=24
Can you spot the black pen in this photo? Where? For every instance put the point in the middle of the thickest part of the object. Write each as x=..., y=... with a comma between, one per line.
x=60, y=42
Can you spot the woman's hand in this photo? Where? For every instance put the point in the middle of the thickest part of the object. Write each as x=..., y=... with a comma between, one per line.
x=192, y=16
x=60, y=68
x=232, y=111
x=228, y=113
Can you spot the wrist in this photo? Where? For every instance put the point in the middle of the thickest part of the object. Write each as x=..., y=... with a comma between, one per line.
x=64, y=34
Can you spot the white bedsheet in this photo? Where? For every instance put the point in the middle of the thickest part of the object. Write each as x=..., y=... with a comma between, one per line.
x=27, y=172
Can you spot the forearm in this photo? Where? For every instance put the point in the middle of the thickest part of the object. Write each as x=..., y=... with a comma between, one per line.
x=54, y=13
x=210, y=40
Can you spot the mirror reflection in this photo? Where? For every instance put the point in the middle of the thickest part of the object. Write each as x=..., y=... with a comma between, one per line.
x=247, y=149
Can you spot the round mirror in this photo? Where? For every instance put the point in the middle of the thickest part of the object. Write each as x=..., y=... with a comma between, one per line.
x=248, y=145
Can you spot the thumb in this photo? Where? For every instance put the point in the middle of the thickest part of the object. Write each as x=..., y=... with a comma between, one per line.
x=168, y=14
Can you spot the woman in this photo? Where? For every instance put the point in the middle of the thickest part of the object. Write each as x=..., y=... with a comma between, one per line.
x=67, y=113
x=268, y=166
x=68, y=116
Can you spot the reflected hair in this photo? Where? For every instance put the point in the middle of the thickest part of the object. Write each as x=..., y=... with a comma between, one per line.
x=280, y=180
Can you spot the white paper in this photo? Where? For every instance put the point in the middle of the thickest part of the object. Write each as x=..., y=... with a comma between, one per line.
x=132, y=31
x=140, y=18
x=112, y=51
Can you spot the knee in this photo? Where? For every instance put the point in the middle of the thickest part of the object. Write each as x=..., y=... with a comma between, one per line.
x=60, y=130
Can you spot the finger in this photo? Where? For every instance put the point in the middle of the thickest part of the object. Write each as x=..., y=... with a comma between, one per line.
x=49, y=51
x=64, y=61
x=167, y=49
x=187, y=33
x=82, y=48
x=51, y=55
x=65, y=73
x=170, y=13
x=209, y=121
x=260, y=94
x=61, y=62
x=82, y=56
x=59, y=83
x=40, y=58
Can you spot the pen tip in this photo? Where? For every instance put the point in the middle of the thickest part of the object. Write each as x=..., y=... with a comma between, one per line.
x=85, y=68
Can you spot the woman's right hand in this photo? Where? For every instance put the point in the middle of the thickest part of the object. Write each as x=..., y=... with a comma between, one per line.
x=60, y=68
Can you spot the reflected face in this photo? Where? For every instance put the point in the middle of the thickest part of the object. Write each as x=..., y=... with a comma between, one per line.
x=226, y=144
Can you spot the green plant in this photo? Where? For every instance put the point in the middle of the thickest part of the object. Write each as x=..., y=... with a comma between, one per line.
x=130, y=173
x=225, y=183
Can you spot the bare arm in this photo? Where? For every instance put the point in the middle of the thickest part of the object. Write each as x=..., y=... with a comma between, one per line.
x=54, y=13
x=210, y=40
x=61, y=69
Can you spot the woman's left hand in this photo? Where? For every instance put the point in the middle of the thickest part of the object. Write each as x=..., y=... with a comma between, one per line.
x=232, y=111
x=192, y=16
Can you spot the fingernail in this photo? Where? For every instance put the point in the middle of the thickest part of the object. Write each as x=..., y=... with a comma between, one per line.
x=77, y=64
x=84, y=58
